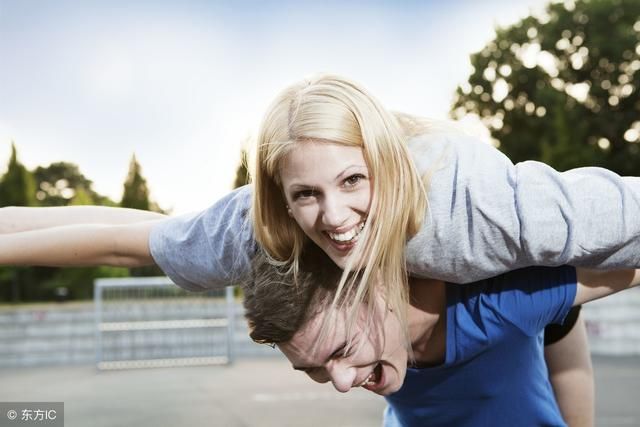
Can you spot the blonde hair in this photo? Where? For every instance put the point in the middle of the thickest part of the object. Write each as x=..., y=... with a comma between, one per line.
x=331, y=108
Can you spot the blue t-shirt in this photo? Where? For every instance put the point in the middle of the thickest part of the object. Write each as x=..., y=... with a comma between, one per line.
x=494, y=372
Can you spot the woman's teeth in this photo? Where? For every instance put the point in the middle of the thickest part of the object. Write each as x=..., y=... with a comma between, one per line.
x=347, y=236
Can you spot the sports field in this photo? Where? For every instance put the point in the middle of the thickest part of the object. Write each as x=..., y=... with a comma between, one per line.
x=257, y=392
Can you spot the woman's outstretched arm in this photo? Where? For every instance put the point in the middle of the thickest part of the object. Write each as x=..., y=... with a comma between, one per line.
x=122, y=245
x=209, y=249
x=595, y=284
x=198, y=251
x=487, y=216
x=15, y=219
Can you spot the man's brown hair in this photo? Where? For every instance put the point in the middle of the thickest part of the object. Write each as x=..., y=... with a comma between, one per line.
x=278, y=303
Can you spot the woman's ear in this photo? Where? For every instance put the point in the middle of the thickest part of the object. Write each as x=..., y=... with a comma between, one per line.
x=289, y=211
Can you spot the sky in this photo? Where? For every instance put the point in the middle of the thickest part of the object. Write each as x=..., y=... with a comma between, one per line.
x=184, y=84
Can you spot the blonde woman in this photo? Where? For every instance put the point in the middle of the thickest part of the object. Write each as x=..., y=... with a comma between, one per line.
x=465, y=210
x=460, y=207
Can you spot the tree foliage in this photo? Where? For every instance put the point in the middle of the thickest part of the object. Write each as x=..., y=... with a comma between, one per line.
x=562, y=87
x=242, y=173
x=136, y=193
x=17, y=186
x=62, y=184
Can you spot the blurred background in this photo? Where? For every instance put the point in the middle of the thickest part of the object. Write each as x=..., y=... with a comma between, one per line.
x=152, y=105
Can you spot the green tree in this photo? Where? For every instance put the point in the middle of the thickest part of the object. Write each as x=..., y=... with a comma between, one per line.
x=242, y=174
x=136, y=193
x=62, y=184
x=77, y=281
x=17, y=186
x=59, y=184
x=563, y=87
x=82, y=197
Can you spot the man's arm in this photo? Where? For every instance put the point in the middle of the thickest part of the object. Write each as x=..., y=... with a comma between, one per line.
x=594, y=284
x=571, y=376
x=15, y=219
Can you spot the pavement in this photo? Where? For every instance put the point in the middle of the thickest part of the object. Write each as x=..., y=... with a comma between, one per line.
x=252, y=392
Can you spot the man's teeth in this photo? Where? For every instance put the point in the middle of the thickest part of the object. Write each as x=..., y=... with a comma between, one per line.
x=367, y=381
x=347, y=236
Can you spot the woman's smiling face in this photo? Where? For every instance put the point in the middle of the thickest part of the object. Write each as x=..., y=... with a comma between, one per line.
x=376, y=359
x=328, y=189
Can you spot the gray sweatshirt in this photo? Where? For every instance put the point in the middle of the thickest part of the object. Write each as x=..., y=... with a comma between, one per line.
x=485, y=216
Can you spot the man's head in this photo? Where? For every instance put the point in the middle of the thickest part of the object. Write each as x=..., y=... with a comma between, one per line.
x=291, y=312
x=278, y=303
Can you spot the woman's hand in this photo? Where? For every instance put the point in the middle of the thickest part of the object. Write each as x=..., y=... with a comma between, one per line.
x=594, y=284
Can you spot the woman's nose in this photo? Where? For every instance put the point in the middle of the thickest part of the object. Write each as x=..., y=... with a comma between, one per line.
x=334, y=211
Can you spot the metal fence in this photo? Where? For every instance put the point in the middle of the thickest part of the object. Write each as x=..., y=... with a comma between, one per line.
x=67, y=333
x=613, y=323
x=143, y=322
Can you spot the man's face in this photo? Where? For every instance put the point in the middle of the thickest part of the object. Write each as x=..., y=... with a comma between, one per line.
x=376, y=360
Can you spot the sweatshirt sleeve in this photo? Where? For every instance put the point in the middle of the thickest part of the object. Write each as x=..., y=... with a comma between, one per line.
x=210, y=249
x=487, y=216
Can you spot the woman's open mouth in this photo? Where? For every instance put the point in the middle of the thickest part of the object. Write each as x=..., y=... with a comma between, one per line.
x=347, y=240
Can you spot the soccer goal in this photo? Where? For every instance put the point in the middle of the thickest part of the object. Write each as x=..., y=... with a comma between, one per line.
x=146, y=322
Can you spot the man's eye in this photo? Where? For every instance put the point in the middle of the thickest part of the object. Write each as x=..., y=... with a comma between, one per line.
x=312, y=372
x=345, y=353
x=353, y=180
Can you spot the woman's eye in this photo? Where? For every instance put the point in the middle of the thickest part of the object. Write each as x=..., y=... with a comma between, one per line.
x=354, y=180
x=304, y=194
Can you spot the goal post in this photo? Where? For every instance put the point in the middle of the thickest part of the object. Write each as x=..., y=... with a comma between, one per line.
x=145, y=322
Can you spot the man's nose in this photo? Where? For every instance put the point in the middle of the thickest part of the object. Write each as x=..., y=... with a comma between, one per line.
x=341, y=376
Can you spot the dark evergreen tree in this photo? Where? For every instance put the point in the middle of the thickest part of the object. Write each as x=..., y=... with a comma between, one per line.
x=136, y=193
x=17, y=186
